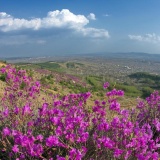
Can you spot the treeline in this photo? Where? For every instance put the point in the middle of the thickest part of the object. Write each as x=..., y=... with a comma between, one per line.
x=145, y=76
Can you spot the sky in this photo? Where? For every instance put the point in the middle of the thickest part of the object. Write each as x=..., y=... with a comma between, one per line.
x=60, y=27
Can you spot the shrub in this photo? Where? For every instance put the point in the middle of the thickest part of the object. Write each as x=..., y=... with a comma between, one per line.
x=67, y=130
x=3, y=77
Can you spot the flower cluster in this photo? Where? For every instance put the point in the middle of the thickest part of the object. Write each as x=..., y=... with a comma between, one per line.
x=65, y=129
x=105, y=85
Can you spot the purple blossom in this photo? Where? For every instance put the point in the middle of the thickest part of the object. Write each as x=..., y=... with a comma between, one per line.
x=16, y=110
x=115, y=106
x=39, y=137
x=52, y=141
x=6, y=132
x=103, y=103
x=30, y=123
x=84, y=136
x=72, y=153
x=26, y=110
x=108, y=143
x=60, y=158
x=37, y=83
x=115, y=92
x=36, y=150
x=15, y=149
x=125, y=113
x=156, y=122
x=55, y=120
x=155, y=156
x=6, y=112
x=118, y=153
x=3, y=70
x=105, y=85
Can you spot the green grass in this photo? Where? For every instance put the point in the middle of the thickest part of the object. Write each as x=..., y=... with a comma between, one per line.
x=143, y=85
x=49, y=65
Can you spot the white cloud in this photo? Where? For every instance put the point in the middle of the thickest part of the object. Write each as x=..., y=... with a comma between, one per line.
x=41, y=41
x=94, y=33
x=64, y=18
x=146, y=38
x=106, y=15
x=91, y=16
x=55, y=19
x=8, y=23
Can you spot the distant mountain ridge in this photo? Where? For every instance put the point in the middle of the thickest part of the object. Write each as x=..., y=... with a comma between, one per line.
x=116, y=55
x=128, y=55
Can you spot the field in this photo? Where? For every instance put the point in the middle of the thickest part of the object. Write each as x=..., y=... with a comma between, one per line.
x=132, y=76
x=51, y=110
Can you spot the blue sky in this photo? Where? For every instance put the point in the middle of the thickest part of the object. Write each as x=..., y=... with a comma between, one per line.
x=49, y=27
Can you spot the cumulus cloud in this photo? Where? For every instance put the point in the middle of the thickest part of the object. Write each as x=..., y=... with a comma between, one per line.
x=56, y=18
x=91, y=16
x=146, y=38
x=63, y=19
